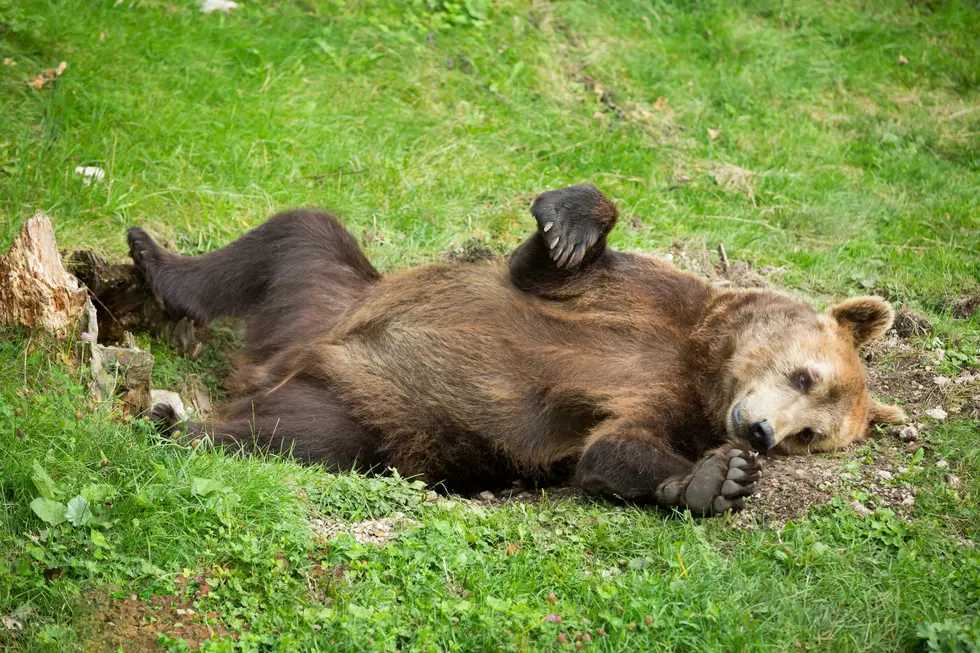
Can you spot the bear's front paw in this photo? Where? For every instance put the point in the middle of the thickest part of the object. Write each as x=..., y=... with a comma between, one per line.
x=572, y=220
x=720, y=482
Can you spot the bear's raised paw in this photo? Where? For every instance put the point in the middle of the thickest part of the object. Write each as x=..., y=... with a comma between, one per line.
x=571, y=221
x=720, y=482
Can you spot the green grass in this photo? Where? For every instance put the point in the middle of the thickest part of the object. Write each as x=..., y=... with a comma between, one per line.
x=865, y=178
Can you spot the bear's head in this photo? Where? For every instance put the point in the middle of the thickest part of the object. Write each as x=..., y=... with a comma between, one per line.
x=794, y=382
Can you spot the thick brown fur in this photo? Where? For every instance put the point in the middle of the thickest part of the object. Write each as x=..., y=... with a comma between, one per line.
x=641, y=379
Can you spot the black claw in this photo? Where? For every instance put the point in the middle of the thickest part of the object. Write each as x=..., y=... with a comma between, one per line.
x=572, y=220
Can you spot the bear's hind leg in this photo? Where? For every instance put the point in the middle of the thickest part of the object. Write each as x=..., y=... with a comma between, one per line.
x=297, y=418
x=292, y=252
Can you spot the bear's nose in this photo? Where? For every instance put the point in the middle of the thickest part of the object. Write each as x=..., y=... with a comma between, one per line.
x=761, y=436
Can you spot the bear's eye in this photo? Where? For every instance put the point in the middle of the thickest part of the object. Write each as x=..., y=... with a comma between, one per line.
x=806, y=436
x=802, y=380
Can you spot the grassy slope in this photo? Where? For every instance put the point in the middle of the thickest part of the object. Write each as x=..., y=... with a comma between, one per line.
x=866, y=178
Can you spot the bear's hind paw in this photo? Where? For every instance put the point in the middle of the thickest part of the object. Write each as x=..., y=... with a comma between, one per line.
x=164, y=418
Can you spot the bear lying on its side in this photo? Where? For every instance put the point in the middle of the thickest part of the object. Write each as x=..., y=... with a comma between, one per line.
x=643, y=382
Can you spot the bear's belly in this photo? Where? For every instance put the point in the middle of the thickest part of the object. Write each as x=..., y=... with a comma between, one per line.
x=449, y=408
x=462, y=372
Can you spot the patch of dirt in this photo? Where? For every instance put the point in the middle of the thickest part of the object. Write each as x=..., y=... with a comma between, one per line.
x=791, y=484
x=134, y=625
x=900, y=371
x=733, y=178
x=376, y=531
x=472, y=251
x=909, y=323
x=719, y=269
x=964, y=306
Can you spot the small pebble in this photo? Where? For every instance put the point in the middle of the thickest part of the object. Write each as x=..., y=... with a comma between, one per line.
x=800, y=473
x=486, y=495
x=953, y=480
x=942, y=464
x=860, y=508
x=908, y=434
x=884, y=474
x=936, y=413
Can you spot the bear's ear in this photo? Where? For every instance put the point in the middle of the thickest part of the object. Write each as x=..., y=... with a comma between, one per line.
x=865, y=318
x=885, y=414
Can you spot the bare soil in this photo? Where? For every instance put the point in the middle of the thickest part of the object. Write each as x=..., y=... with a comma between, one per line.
x=135, y=625
x=376, y=531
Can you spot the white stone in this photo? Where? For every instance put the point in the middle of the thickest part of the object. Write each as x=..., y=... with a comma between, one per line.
x=211, y=6
x=936, y=413
x=172, y=399
x=90, y=174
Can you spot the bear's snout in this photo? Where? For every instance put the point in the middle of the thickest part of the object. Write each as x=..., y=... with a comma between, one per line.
x=761, y=436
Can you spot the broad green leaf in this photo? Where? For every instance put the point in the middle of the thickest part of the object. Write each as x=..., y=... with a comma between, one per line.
x=51, y=512
x=360, y=612
x=497, y=604
x=202, y=487
x=477, y=9
x=97, y=492
x=78, y=512
x=45, y=484
x=148, y=494
x=98, y=539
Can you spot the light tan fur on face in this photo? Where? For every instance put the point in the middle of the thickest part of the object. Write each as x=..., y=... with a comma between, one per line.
x=831, y=409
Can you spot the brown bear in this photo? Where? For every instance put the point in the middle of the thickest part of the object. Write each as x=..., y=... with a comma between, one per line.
x=643, y=382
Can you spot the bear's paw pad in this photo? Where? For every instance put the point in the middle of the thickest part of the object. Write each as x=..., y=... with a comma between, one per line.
x=721, y=481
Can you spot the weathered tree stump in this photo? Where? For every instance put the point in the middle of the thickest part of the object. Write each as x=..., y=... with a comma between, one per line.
x=35, y=289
